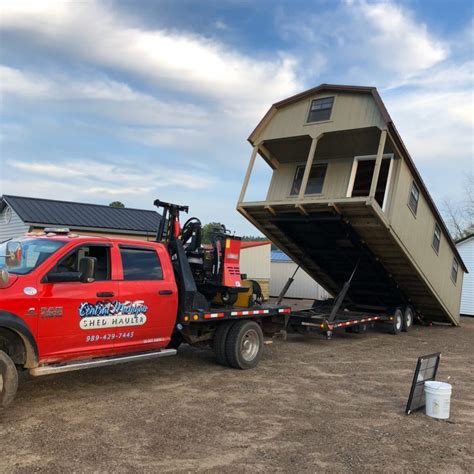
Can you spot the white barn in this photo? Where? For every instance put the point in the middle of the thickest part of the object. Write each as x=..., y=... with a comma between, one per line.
x=303, y=286
x=465, y=248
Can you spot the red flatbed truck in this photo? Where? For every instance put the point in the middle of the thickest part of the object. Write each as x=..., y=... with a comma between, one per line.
x=72, y=302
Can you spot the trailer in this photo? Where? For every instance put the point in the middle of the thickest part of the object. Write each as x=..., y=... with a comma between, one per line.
x=344, y=192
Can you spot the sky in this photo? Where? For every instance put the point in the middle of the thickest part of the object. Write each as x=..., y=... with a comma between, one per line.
x=138, y=100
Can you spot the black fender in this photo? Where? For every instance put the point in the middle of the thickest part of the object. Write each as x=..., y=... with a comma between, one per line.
x=17, y=325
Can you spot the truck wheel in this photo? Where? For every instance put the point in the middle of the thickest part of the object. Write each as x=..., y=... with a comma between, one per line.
x=8, y=380
x=407, y=319
x=219, y=342
x=397, y=323
x=244, y=345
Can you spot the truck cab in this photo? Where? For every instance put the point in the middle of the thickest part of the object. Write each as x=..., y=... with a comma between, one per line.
x=71, y=302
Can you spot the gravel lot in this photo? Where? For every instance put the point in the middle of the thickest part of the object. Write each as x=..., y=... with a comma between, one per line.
x=312, y=405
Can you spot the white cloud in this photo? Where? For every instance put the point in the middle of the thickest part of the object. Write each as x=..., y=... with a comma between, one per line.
x=93, y=177
x=179, y=61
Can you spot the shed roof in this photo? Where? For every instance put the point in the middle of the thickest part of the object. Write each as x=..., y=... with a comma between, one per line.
x=279, y=256
x=465, y=238
x=393, y=133
x=50, y=212
x=257, y=243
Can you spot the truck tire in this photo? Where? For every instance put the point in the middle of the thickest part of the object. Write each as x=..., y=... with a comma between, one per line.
x=244, y=345
x=408, y=317
x=219, y=342
x=397, y=322
x=8, y=380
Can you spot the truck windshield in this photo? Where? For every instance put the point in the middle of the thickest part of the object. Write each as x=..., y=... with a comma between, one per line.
x=33, y=253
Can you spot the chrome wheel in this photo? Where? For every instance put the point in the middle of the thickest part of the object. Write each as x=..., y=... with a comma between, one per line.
x=398, y=322
x=250, y=345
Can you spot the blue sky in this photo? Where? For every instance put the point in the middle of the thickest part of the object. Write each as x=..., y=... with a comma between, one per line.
x=132, y=101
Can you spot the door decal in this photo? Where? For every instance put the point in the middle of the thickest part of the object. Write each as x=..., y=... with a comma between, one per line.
x=112, y=314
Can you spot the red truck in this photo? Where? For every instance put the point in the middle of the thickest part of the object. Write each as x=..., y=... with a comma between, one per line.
x=69, y=302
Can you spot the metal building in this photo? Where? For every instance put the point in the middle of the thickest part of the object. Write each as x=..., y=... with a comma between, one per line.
x=303, y=286
x=466, y=250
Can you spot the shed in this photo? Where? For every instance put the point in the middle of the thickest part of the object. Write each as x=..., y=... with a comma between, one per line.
x=255, y=263
x=303, y=286
x=466, y=250
x=19, y=214
x=344, y=190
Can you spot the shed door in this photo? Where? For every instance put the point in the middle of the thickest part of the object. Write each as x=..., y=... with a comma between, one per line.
x=361, y=178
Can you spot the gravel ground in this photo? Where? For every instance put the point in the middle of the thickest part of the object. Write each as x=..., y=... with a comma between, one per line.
x=311, y=406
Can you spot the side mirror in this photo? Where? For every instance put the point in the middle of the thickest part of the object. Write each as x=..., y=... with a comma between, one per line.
x=63, y=277
x=14, y=253
x=87, y=266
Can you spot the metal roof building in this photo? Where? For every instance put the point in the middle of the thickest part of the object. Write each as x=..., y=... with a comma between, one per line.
x=20, y=214
x=466, y=250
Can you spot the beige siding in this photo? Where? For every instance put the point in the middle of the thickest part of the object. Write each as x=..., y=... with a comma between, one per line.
x=416, y=234
x=349, y=111
x=255, y=262
x=335, y=182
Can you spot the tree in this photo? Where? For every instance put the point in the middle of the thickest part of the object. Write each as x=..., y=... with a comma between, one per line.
x=208, y=229
x=459, y=214
x=117, y=204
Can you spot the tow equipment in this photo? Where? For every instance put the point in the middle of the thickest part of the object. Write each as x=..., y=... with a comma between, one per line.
x=70, y=302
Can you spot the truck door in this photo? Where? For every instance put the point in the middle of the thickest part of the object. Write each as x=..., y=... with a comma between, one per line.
x=149, y=297
x=75, y=318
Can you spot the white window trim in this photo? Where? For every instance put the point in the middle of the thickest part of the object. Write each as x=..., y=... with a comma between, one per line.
x=350, y=187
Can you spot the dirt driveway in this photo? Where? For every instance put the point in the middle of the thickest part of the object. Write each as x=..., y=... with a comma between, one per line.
x=311, y=406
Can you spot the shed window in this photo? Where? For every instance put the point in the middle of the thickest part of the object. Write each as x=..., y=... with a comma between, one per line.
x=436, y=237
x=454, y=271
x=414, y=198
x=320, y=109
x=315, y=180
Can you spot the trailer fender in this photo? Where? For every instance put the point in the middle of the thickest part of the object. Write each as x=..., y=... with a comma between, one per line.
x=16, y=325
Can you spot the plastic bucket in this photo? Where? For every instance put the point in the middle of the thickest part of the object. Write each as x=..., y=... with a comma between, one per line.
x=438, y=399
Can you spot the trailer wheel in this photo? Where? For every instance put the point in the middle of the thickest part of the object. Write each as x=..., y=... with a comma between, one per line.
x=244, y=345
x=407, y=319
x=397, y=322
x=8, y=380
x=219, y=342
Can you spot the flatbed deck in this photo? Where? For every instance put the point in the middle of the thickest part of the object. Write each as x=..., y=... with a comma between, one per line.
x=201, y=315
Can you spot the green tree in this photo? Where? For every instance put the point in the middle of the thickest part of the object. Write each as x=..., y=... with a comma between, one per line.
x=208, y=229
x=117, y=204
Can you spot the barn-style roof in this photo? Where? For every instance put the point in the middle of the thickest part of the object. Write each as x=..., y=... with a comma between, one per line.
x=393, y=133
x=77, y=215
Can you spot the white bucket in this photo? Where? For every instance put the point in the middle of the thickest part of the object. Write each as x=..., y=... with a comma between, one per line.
x=438, y=399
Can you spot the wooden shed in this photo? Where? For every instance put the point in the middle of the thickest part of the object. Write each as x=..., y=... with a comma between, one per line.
x=255, y=263
x=345, y=191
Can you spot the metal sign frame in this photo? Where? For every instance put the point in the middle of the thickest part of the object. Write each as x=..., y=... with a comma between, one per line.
x=426, y=369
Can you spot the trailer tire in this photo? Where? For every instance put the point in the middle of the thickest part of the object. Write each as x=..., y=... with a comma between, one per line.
x=219, y=342
x=397, y=322
x=244, y=345
x=408, y=317
x=8, y=380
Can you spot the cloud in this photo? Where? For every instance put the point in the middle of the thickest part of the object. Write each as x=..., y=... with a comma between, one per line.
x=180, y=61
x=369, y=41
x=95, y=178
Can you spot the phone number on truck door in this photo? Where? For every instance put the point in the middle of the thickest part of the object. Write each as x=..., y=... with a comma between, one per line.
x=110, y=337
